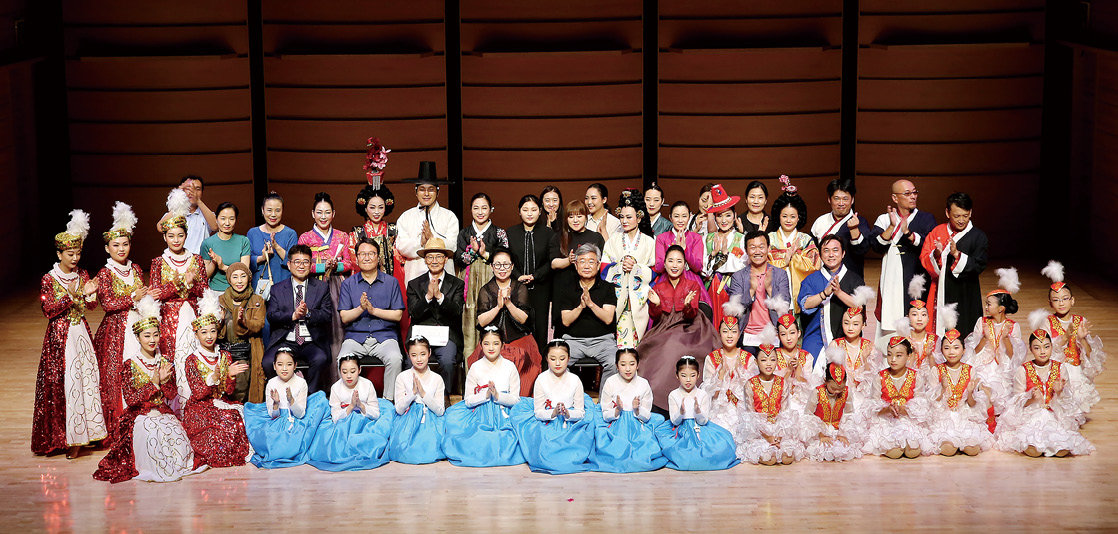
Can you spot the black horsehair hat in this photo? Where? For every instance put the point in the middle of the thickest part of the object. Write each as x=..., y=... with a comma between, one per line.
x=427, y=175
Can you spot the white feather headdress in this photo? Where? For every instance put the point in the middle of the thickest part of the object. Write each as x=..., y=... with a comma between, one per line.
x=1009, y=280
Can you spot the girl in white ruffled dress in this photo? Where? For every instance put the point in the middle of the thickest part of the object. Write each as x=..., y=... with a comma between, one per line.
x=724, y=378
x=1043, y=416
x=898, y=416
x=994, y=347
x=770, y=430
x=1072, y=342
x=830, y=428
x=958, y=422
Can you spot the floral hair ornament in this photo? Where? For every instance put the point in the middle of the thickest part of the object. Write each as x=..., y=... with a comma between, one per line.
x=148, y=309
x=629, y=200
x=916, y=290
x=1055, y=272
x=209, y=309
x=178, y=205
x=786, y=185
x=124, y=222
x=376, y=158
x=76, y=231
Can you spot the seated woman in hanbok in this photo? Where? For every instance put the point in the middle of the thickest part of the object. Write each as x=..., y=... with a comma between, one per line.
x=355, y=436
x=770, y=429
x=624, y=441
x=958, y=421
x=282, y=428
x=1043, y=416
x=555, y=428
x=688, y=439
x=1072, y=342
x=151, y=443
x=417, y=432
x=831, y=430
x=897, y=418
x=213, y=421
x=479, y=429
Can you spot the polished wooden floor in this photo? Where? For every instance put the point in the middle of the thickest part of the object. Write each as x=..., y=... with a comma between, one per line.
x=993, y=492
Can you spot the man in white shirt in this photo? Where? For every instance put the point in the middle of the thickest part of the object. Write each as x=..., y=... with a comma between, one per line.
x=200, y=220
x=845, y=222
x=418, y=225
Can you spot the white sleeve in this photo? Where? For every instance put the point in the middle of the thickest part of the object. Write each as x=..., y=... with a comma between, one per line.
x=960, y=264
x=644, y=413
x=578, y=410
x=675, y=411
x=703, y=402
x=470, y=396
x=539, y=400
x=1019, y=381
x=607, y=399
x=451, y=230
x=336, y=400
x=407, y=237
x=512, y=394
x=268, y=389
x=404, y=394
x=299, y=407
x=435, y=400
x=369, y=405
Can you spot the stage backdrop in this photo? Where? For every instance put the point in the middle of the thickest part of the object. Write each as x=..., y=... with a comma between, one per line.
x=508, y=97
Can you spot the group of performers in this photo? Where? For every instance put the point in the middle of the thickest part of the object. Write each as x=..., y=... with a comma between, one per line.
x=754, y=343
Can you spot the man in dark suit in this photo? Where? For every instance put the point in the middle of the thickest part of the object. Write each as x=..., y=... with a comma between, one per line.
x=775, y=286
x=300, y=313
x=436, y=299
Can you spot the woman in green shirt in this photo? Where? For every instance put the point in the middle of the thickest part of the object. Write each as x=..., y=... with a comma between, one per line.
x=224, y=248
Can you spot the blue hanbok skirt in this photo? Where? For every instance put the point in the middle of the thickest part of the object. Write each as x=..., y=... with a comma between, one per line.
x=417, y=436
x=355, y=442
x=481, y=436
x=710, y=448
x=627, y=445
x=285, y=440
x=558, y=446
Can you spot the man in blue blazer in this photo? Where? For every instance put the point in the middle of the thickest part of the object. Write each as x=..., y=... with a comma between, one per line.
x=774, y=285
x=300, y=313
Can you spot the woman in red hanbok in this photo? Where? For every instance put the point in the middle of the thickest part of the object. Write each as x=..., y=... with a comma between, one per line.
x=120, y=285
x=178, y=280
x=67, y=390
x=213, y=421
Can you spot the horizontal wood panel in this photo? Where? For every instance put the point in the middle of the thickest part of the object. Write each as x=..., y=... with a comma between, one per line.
x=749, y=97
x=949, y=159
x=501, y=11
x=869, y=7
x=552, y=100
x=157, y=72
x=159, y=170
x=749, y=130
x=737, y=162
x=345, y=167
x=506, y=194
x=351, y=135
x=327, y=103
x=174, y=138
x=715, y=9
x=551, y=164
x=354, y=70
x=718, y=32
x=808, y=63
x=951, y=94
x=552, y=68
x=158, y=105
x=888, y=28
x=950, y=61
x=552, y=132
x=923, y=127
x=144, y=40
x=350, y=11
x=281, y=38
x=117, y=12
x=517, y=36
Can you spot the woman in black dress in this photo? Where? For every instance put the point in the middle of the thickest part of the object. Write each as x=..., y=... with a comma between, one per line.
x=529, y=242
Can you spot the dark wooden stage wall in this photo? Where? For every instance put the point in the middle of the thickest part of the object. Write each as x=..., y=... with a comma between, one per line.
x=530, y=94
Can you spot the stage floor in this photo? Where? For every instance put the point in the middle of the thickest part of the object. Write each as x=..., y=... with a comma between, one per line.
x=993, y=491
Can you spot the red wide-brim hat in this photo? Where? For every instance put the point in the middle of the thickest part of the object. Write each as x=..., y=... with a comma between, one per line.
x=722, y=201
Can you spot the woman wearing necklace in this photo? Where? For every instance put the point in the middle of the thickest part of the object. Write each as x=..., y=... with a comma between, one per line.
x=474, y=255
x=67, y=390
x=629, y=255
x=790, y=249
x=503, y=304
x=528, y=242
x=120, y=285
x=328, y=253
x=178, y=280
x=724, y=250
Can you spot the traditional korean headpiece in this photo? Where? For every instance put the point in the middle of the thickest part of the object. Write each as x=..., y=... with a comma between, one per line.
x=209, y=309
x=124, y=221
x=732, y=311
x=148, y=309
x=916, y=290
x=178, y=205
x=862, y=297
x=1037, y=320
x=786, y=185
x=631, y=198
x=838, y=372
x=376, y=158
x=1008, y=282
x=76, y=231
x=1055, y=272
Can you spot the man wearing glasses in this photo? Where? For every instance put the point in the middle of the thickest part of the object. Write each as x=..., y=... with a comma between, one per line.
x=898, y=235
x=371, y=307
x=300, y=312
x=587, y=311
x=435, y=302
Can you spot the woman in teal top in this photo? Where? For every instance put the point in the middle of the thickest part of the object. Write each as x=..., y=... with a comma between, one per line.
x=224, y=248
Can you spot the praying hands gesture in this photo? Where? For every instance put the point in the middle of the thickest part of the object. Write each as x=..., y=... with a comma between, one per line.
x=426, y=231
x=627, y=263
x=418, y=386
x=300, y=311
x=366, y=304
x=139, y=294
x=433, y=289
x=492, y=391
x=353, y=402
x=217, y=260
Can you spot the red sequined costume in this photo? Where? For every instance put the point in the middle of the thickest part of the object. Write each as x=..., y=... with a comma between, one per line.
x=67, y=392
x=213, y=423
x=167, y=287
x=115, y=296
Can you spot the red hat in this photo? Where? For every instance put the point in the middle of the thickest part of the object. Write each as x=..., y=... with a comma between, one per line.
x=722, y=201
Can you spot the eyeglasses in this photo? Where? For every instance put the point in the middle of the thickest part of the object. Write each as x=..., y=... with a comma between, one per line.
x=435, y=257
x=300, y=263
x=586, y=261
x=909, y=193
x=1060, y=300
x=366, y=254
x=502, y=265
